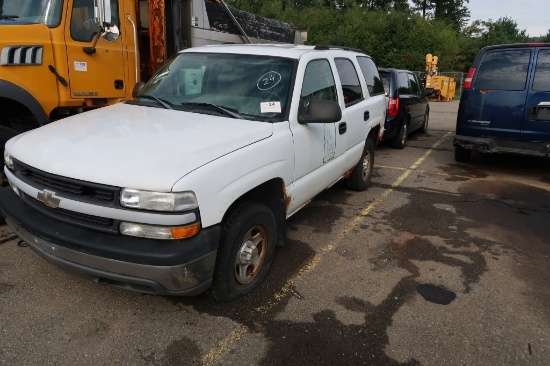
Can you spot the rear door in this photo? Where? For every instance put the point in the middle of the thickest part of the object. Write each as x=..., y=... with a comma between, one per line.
x=537, y=112
x=496, y=104
x=417, y=112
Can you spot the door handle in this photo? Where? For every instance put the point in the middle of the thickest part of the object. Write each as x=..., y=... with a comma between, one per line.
x=342, y=128
x=366, y=116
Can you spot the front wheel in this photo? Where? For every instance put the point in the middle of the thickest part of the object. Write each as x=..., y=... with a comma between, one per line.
x=246, y=252
x=359, y=179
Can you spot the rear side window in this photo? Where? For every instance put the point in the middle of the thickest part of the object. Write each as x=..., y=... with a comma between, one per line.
x=370, y=72
x=403, y=82
x=503, y=70
x=385, y=76
x=351, y=87
x=414, y=84
x=542, y=72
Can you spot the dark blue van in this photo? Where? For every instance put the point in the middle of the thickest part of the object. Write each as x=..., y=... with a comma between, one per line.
x=505, y=103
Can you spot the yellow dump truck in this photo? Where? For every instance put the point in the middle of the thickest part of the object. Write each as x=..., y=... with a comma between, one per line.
x=62, y=57
x=438, y=87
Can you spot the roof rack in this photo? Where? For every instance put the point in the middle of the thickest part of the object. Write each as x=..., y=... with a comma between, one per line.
x=331, y=47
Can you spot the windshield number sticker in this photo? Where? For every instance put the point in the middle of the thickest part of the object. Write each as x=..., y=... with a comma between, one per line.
x=270, y=107
x=269, y=80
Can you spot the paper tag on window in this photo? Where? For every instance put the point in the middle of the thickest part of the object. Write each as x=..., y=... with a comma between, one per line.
x=270, y=107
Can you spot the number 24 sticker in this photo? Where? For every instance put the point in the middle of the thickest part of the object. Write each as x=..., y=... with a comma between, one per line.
x=269, y=80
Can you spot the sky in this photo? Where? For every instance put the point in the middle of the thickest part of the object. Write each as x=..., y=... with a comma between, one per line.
x=531, y=15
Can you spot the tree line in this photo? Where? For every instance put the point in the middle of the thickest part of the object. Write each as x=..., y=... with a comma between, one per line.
x=395, y=33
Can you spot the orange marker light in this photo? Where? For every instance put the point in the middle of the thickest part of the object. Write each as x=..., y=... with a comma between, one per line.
x=186, y=231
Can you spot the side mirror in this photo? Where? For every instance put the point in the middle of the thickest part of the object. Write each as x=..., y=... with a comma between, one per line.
x=137, y=88
x=319, y=111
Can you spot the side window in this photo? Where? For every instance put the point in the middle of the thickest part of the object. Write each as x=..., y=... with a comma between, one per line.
x=414, y=84
x=542, y=72
x=403, y=82
x=370, y=72
x=503, y=70
x=318, y=83
x=83, y=24
x=351, y=87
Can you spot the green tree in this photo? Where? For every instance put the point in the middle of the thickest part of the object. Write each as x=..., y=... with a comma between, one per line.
x=502, y=31
x=453, y=12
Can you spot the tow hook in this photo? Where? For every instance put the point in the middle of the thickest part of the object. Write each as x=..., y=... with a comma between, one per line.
x=22, y=244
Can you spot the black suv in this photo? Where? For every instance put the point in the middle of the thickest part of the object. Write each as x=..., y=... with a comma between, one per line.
x=408, y=108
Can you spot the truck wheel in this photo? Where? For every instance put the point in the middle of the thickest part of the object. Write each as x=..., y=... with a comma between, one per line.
x=424, y=127
x=359, y=179
x=5, y=135
x=462, y=155
x=247, y=249
x=400, y=140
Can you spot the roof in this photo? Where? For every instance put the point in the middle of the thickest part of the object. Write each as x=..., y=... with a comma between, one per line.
x=271, y=49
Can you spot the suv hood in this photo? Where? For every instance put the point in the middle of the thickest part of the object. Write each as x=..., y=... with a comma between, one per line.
x=134, y=146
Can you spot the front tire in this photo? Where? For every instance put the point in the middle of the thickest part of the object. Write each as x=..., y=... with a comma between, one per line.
x=246, y=252
x=359, y=179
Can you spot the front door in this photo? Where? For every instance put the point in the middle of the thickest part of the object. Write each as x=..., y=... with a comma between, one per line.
x=99, y=74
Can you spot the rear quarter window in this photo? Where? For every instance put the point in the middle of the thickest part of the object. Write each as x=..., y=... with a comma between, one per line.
x=351, y=87
x=403, y=82
x=372, y=78
x=503, y=70
x=542, y=72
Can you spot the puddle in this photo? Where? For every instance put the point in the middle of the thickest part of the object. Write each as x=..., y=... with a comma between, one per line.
x=436, y=294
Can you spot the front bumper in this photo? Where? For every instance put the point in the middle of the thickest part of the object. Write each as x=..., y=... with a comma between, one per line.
x=176, y=267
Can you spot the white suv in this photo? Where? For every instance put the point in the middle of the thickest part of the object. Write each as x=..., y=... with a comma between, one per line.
x=187, y=187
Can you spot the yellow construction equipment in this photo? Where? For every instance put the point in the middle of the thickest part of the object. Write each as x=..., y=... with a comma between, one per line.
x=438, y=87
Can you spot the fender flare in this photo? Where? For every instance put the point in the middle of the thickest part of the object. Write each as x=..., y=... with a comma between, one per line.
x=11, y=91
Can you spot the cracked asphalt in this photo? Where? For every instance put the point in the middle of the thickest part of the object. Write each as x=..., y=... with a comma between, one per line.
x=437, y=263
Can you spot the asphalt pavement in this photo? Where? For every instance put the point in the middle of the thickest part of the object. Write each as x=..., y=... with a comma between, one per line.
x=437, y=263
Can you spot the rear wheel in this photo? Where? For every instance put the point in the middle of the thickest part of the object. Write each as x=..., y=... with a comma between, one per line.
x=400, y=140
x=246, y=252
x=462, y=155
x=424, y=127
x=359, y=179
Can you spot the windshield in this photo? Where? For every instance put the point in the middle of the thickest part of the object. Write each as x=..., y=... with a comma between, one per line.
x=47, y=12
x=242, y=86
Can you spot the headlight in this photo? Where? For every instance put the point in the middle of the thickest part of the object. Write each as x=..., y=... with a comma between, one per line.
x=159, y=232
x=8, y=160
x=158, y=201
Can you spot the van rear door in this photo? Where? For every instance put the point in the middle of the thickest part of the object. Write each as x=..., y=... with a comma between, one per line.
x=537, y=112
x=496, y=103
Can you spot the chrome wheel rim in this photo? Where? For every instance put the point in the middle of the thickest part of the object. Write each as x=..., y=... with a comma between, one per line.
x=251, y=255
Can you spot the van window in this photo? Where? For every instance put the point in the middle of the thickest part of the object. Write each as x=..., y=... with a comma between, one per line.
x=403, y=82
x=370, y=72
x=503, y=70
x=542, y=72
x=414, y=84
x=351, y=87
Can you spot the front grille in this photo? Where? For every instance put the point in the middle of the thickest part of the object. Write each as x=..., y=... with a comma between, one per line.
x=74, y=189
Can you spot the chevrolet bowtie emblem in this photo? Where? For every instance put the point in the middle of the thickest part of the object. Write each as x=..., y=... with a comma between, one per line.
x=48, y=198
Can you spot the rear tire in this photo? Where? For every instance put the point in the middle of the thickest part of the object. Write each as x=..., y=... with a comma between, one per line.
x=462, y=155
x=400, y=141
x=246, y=252
x=424, y=127
x=359, y=179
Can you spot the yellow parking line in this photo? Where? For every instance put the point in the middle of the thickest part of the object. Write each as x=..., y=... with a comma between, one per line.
x=225, y=345
x=426, y=171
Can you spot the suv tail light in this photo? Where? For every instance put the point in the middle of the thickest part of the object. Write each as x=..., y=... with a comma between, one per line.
x=469, y=77
x=393, y=107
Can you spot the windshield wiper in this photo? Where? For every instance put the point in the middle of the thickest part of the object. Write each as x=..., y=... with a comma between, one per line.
x=164, y=103
x=8, y=17
x=217, y=107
